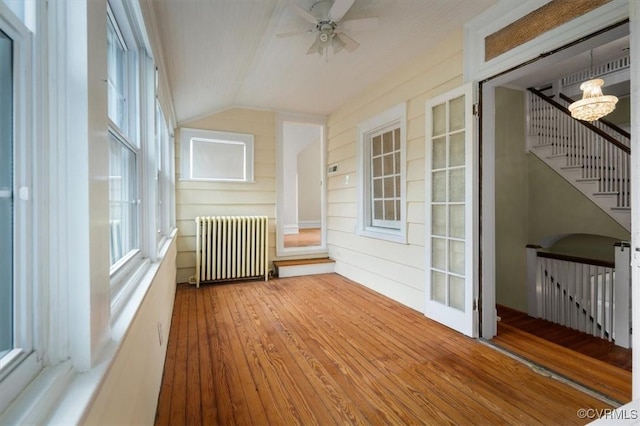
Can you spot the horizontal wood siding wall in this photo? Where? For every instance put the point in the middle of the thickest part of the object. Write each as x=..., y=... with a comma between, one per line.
x=228, y=199
x=395, y=270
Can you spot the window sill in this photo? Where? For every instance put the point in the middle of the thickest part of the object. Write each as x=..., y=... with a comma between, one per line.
x=76, y=391
x=216, y=180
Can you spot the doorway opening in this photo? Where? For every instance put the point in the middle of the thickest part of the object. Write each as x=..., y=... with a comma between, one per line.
x=301, y=228
x=547, y=210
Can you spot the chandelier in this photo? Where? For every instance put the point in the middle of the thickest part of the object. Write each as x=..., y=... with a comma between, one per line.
x=594, y=104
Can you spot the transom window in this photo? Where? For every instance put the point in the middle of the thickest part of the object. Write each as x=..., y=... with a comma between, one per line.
x=382, y=176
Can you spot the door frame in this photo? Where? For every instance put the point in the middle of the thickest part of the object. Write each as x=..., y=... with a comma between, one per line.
x=289, y=117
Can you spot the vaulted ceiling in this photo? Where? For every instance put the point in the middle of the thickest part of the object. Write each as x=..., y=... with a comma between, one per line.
x=224, y=53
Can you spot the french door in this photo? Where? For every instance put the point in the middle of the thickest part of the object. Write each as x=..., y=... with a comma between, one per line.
x=450, y=208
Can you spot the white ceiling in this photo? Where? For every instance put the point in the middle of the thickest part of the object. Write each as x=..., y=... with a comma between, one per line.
x=225, y=53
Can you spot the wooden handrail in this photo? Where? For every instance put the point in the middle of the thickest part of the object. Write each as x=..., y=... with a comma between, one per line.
x=605, y=122
x=588, y=125
x=576, y=259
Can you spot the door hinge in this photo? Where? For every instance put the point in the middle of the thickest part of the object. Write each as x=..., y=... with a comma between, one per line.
x=476, y=110
x=475, y=304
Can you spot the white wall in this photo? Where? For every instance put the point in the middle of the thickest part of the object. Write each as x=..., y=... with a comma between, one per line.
x=129, y=393
x=512, y=199
x=572, y=212
x=395, y=270
x=228, y=198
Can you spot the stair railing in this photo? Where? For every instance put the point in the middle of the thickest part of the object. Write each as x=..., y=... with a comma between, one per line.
x=598, y=154
x=587, y=295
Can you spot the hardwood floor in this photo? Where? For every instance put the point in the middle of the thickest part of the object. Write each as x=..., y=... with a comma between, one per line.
x=593, y=347
x=324, y=350
x=592, y=362
x=306, y=237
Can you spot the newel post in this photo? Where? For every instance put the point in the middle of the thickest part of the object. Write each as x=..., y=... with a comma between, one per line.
x=533, y=290
x=622, y=295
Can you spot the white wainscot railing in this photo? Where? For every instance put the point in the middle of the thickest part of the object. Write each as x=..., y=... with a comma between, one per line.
x=587, y=295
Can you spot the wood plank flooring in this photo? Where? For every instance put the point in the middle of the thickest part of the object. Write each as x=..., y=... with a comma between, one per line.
x=584, y=359
x=306, y=237
x=324, y=350
x=583, y=343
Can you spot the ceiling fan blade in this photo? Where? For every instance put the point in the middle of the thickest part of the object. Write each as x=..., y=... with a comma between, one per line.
x=315, y=47
x=304, y=14
x=363, y=24
x=293, y=33
x=349, y=44
x=337, y=44
x=339, y=9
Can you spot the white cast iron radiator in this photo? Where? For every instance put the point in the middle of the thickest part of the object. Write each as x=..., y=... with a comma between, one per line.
x=231, y=247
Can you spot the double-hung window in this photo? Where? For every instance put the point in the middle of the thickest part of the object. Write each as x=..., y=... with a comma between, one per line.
x=124, y=149
x=19, y=361
x=6, y=196
x=382, y=158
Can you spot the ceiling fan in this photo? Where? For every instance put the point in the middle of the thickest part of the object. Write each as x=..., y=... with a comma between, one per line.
x=325, y=15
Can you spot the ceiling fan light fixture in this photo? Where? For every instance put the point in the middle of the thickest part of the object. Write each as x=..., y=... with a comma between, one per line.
x=594, y=104
x=325, y=36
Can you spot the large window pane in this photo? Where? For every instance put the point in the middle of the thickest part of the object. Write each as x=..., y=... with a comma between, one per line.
x=116, y=77
x=123, y=200
x=6, y=198
x=218, y=160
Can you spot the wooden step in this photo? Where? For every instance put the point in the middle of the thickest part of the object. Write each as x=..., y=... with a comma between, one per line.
x=299, y=267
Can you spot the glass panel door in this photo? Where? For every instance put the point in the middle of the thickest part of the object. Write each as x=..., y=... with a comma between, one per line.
x=449, y=206
x=6, y=194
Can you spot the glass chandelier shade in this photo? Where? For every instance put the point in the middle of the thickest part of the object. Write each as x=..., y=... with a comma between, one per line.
x=594, y=104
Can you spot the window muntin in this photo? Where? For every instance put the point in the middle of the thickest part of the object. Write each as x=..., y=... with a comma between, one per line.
x=216, y=156
x=386, y=195
x=6, y=197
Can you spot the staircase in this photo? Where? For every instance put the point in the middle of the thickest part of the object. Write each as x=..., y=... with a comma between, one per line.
x=593, y=157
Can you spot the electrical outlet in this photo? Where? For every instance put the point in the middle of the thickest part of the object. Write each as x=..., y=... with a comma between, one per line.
x=346, y=180
x=160, y=333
